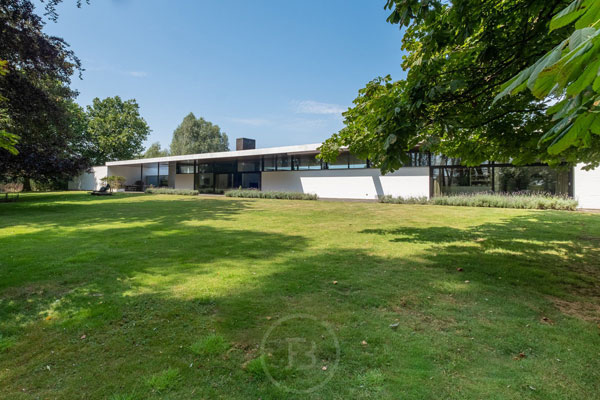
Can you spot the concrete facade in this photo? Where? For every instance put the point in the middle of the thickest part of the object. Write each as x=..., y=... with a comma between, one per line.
x=350, y=183
x=586, y=187
x=89, y=180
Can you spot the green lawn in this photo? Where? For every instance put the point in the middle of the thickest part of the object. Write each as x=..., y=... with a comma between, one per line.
x=170, y=297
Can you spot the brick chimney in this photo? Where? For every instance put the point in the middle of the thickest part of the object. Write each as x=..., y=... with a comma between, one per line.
x=245, y=144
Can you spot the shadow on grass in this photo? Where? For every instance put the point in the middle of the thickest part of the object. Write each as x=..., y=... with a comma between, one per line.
x=120, y=288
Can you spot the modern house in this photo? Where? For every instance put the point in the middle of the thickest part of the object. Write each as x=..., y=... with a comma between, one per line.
x=295, y=168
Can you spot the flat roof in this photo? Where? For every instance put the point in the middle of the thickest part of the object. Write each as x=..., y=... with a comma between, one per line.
x=304, y=148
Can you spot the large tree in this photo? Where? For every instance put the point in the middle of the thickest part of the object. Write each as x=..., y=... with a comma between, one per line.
x=571, y=73
x=115, y=129
x=154, y=150
x=459, y=55
x=37, y=104
x=196, y=135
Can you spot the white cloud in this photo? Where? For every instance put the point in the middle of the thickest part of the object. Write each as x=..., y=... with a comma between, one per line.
x=315, y=107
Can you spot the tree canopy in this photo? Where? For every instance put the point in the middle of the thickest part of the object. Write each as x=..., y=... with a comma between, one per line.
x=570, y=72
x=196, y=135
x=115, y=129
x=37, y=104
x=155, y=150
x=460, y=53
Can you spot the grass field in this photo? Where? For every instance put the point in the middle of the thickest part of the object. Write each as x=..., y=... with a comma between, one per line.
x=179, y=297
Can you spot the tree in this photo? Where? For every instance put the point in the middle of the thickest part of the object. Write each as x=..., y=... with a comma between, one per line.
x=460, y=53
x=115, y=129
x=571, y=73
x=195, y=136
x=115, y=181
x=155, y=151
x=37, y=104
x=7, y=139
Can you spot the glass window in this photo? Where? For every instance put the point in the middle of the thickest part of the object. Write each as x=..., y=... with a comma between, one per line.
x=531, y=180
x=205, y=180
x=355, y=162
x=204, y=168
x=284, y=162
x=270, y=163
x=437, y=159
x=418, y=159
x=185, y=168
x=223, y=167
x=250, y=165
x=340, y=163
x=462, y=180
x=251, y=180
x=306, y=162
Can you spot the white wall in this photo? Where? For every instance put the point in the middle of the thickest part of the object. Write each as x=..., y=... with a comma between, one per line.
x=587, y=187
x=89, y=180
x=131, y=173
x=184, y=181
x=350, y=183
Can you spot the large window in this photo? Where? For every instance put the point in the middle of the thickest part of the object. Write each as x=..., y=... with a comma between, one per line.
x=185, y=167
x=251, y=180
x=305, y=162
x=462, y=180
x=270, y=163
x=249, y=165
x=500, y=179
x=418, y=159
x=340, y=163
x=156, y=174
x=355, y=162
x=284, y=162
x=531, y=179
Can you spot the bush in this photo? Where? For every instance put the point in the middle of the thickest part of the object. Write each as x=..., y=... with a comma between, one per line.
x=12, y=187
x=211, y=191
x=257, y=194
x=503, y=200
x=185, y=192
x=115, y=181
x=403, y=200
x=541, y=201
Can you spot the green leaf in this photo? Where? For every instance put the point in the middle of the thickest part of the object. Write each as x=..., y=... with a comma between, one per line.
x=550, y=59
x=555, y=131
x=514, y=83
x=544, y=84
x=556, y=107
x=585, y=80
x=591, y=15
x=580, y=36
x=577, y=131
x=566, y=16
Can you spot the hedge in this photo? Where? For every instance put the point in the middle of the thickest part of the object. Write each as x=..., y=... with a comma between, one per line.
x=186, y=192
x=539, y=201
x=257, y=194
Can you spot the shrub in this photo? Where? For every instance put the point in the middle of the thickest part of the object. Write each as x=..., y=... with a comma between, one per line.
x=185, y=192
x=257, y=194
x=211, y=191
x=115, y=181
x=403, y=200
x=541, y=201
x=11, y=187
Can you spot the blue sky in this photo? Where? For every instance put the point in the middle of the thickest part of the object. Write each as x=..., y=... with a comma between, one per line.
x=280, y=72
